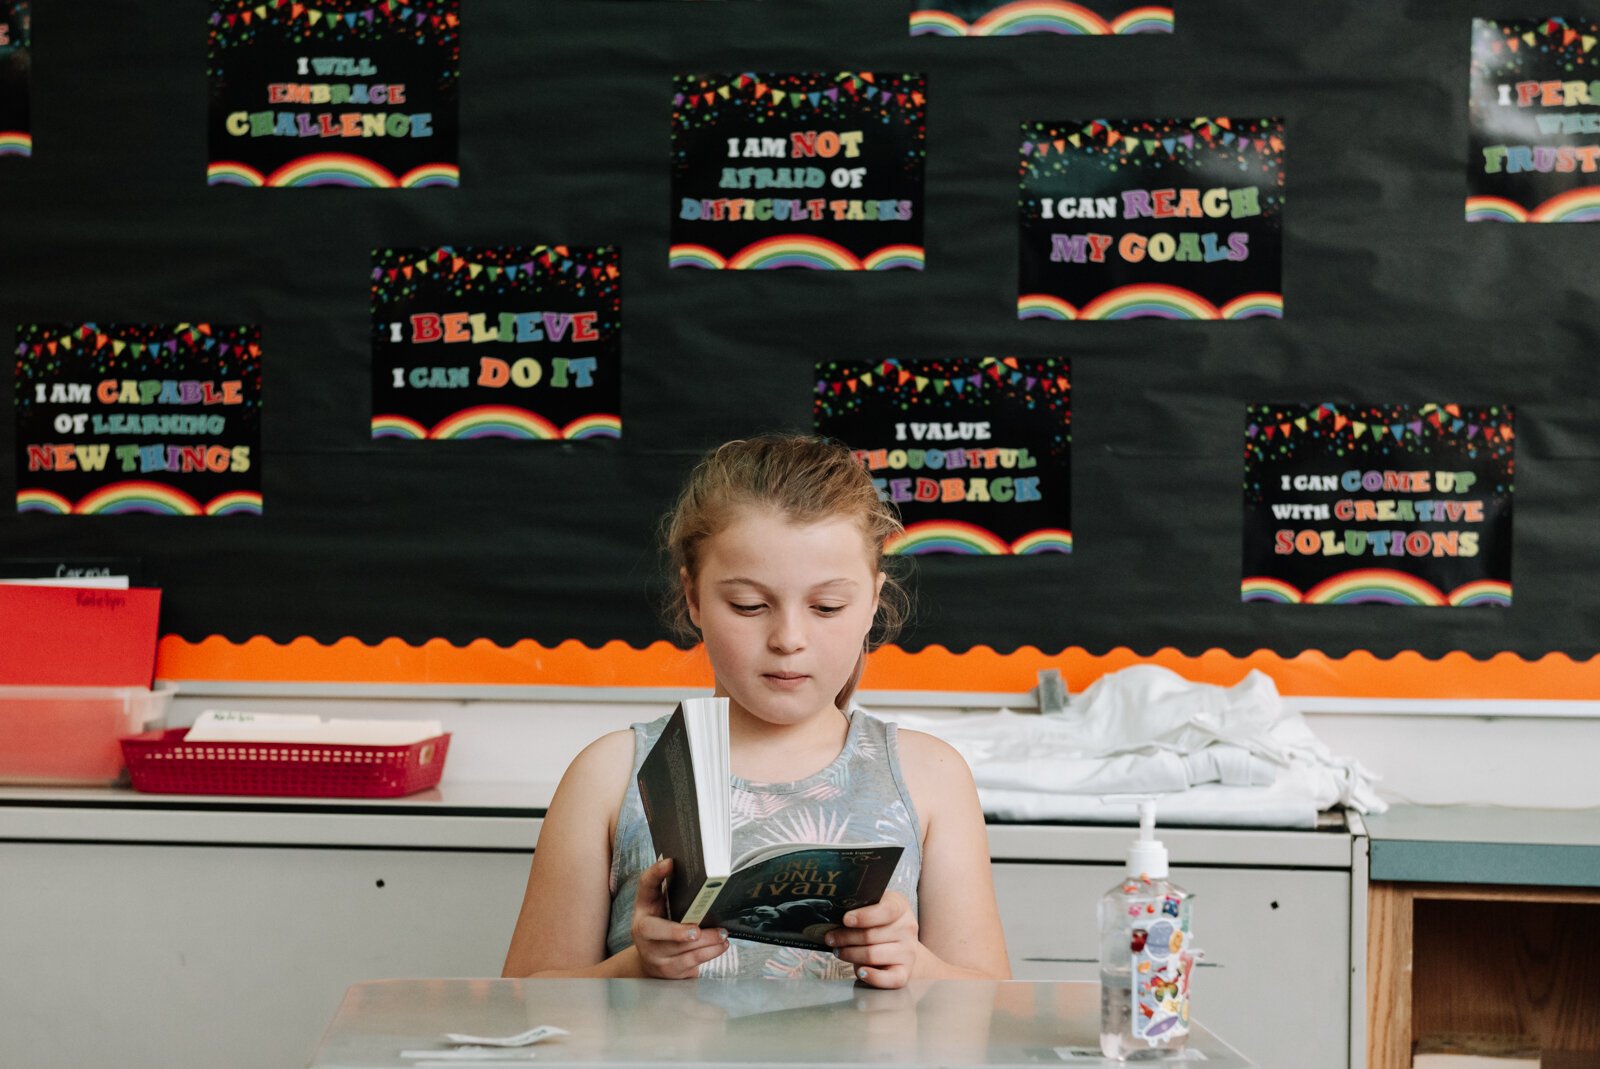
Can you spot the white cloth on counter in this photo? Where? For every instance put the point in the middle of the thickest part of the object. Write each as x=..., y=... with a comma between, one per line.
x=1232, y=756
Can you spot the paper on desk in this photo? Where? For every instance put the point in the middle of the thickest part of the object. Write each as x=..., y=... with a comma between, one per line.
x=221, y=725
x=521, y=1039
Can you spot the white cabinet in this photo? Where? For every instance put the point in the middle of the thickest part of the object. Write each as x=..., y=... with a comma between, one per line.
x=165, y=957
x=1275, y=982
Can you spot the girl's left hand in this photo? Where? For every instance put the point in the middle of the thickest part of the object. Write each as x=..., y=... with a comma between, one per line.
x=880, y=940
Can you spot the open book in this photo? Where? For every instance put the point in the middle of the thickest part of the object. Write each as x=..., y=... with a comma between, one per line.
x=791, y=894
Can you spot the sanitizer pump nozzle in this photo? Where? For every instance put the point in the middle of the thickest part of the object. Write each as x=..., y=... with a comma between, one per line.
x=1147, y=857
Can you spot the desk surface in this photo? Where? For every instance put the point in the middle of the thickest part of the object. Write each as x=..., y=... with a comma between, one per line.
x=1486, y=845
x=728, y=1023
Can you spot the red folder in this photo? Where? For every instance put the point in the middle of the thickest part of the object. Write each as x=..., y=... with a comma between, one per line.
x=77, y=636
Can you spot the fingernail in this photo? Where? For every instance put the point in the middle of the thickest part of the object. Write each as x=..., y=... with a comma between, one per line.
x=850, y=919
x=861, y=974
x=829, y=939
x=691, y=934
x=723, y=932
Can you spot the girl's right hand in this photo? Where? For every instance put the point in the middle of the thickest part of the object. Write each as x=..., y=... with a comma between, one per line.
x=667, y=949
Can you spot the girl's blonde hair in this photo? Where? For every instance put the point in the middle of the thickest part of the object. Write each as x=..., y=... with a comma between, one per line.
x=806, y=480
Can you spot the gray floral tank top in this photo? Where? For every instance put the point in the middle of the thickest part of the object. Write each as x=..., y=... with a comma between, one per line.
x=860, y=797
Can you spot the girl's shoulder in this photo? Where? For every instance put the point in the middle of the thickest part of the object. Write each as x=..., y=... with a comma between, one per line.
x=921, y=747
x=601, y=771
x=934, y=771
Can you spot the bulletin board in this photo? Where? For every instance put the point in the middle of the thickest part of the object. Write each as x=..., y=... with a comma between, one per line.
x=1389, y=297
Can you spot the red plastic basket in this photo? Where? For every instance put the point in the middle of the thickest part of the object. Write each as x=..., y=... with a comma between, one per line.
x=161, y=761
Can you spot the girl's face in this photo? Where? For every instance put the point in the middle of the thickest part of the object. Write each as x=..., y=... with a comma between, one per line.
x=784, y=609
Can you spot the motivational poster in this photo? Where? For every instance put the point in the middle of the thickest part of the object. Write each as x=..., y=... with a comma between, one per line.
x=820, y=171
x=516, y=341
x=1534, y=121
x=975, y=454
x=16, y=135
x=139, y=419
x=1007, y=18
x=1152, y=218
x=354, y=93
x=1387, y=504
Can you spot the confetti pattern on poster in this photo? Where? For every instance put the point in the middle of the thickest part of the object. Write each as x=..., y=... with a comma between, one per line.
x=819, y=171
x=350, y=93
x=1009, y=18
x=1390, y=504
x=517, y=341
x=16, y=131
x=122, y=419
x=1152, y=218
x=1534, y=122
x=976, y=454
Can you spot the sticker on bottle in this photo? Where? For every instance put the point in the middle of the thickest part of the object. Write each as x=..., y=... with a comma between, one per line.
x=1162, y=964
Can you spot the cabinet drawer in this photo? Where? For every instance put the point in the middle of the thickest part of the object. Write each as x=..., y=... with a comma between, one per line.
x=1275, y=982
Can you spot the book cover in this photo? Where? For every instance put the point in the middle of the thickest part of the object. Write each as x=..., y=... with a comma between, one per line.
x=795, y=898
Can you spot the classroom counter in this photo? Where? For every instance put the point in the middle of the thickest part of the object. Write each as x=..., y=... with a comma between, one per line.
x=507, y=815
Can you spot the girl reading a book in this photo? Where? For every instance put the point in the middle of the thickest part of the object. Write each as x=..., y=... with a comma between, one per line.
x=777, y=545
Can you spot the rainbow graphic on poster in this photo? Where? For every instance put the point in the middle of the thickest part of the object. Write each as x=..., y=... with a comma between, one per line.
x=891, y=257
x=947, y=536
x=496, y=421
x=1047, y=540
x=332, y=169
x=1150, y=301
x=1483, y=592
x=393, y=426
x=598, y=425
x=1495, y=210
x=233, y=173
x=15, y=143
x=432, y=176
x=1376, y=586
x=695, y=256
x=798, y=250
x=1044, y=306
x=1040, y=16
x=138, y=496
x=1266, y=589
x=236, y=503
x=1573, y=206
x=43, y=501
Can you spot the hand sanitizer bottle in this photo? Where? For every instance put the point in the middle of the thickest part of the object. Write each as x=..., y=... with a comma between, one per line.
x=1147, y=954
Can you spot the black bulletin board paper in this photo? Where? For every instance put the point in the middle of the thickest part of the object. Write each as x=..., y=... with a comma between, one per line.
x=566, y=135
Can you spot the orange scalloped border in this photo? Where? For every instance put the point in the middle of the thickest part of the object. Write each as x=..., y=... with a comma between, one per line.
x=1360, y=674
